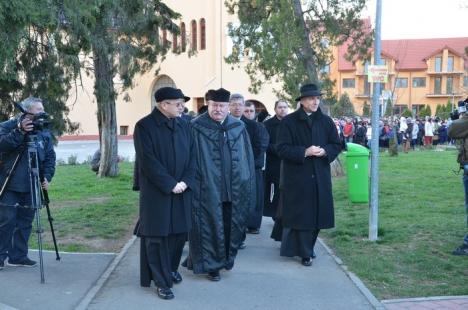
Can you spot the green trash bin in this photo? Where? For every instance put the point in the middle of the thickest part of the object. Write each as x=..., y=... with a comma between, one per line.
x=357, y=167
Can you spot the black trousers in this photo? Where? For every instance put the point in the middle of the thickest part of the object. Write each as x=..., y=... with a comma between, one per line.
x=159, y=256
x=255, y=217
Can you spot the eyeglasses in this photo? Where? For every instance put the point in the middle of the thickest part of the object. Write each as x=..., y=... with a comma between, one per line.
x=177, y=104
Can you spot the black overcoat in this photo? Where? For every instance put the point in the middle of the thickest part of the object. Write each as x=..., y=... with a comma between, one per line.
x=301, y=209
x=207, y=244
x=164, y=149
x=272, y=169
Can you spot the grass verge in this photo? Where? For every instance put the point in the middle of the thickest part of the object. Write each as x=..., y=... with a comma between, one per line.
x=90, y=214
x=422, y=219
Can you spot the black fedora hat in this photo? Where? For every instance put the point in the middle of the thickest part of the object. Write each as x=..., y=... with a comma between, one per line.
x=309, y=90
x=165, y=93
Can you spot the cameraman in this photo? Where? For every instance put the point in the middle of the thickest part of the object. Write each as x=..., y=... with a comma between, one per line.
x=459, y=130
x=16, y=214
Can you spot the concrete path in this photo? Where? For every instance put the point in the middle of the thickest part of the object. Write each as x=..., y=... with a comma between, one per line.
x=66, y=281
x=261, y=279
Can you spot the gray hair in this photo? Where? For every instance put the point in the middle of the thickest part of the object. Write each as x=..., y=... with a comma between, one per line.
x=29, y=102
x=237, y=97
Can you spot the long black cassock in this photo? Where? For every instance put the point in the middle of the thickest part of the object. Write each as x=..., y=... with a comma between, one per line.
x=306, y=200
x=164, y=151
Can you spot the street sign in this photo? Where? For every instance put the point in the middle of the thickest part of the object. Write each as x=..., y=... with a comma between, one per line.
x=377, y=74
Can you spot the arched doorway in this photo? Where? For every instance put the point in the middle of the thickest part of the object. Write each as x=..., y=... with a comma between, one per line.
x=161, y=81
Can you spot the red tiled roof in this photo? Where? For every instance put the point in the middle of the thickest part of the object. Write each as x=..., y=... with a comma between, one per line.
x=411, y=54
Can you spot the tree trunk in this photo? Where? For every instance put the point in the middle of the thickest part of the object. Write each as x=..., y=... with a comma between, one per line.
x=306, y=49
x=105, y=97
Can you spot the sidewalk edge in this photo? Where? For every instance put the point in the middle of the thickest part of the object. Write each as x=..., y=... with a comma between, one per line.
x=354, y=278
x=400, y=300
x=88, y=298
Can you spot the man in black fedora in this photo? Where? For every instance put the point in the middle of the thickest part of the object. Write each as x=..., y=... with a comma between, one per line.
x=307, y=143
x=166, y=175
x=224, y=190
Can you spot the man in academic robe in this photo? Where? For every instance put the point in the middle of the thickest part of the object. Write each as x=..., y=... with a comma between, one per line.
x=224, y=190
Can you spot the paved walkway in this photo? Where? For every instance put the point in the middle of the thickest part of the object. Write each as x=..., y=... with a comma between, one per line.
x=436, y=303
x=66, y=281
x=261, y=279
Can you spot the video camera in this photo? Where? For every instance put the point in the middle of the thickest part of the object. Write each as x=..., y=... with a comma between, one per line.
x=462, y=105
x=40, y=121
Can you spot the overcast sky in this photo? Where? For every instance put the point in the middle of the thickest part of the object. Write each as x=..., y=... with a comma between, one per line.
x=412, y=19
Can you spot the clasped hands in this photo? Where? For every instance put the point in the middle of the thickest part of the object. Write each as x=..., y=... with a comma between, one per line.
x=179, y=188
x=315, y=151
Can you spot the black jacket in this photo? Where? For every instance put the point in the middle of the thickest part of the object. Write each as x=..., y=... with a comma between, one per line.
x=164, y=151
x=12, y=142
x=207, y=244
x=272, y=169
x=259, y=139
x=306, y=187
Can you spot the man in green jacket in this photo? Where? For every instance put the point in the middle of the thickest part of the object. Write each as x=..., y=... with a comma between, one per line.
x=459, y=130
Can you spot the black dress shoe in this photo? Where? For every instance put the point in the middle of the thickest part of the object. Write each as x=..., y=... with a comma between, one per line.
x=164, y=293
x=253, y=231
x=214, y=276
x=242, y=245
x=176, y=277
x=307, y=262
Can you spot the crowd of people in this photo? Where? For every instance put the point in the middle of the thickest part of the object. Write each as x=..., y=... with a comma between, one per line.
x=409, y=133
x=210, y=180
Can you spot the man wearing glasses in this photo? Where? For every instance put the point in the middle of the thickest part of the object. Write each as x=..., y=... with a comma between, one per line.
x=166, y=171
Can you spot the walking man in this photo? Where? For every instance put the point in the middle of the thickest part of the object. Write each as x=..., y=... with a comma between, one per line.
x=166, y=171
x=224, y=190
x=307, y=143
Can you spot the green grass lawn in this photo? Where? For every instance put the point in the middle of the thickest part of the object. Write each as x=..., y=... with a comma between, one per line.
x=422, y=219
x=91, y=214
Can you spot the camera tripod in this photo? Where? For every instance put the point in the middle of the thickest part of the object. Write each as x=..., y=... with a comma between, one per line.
x=39, y=197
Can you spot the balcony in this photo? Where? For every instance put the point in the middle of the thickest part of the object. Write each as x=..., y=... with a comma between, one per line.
x=364, y=95
x=432, y=95
x=455, y=72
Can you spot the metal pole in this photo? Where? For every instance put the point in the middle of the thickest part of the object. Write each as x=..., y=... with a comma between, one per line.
x=374, y=203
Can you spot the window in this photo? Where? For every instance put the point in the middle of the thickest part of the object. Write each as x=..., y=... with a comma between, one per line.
x=202, y=34
x=123, y=130
x=450, y=64
x=174, y=42
x=437, y=85
x=419, y=82
x=416, y=108
x=465, y=81
x=399, y=108
x=349, y=83
x=194, y=35
x=183, y=38
x=449, y=86
x=438, y=64
x=366, y=86
x=366, y=67
x=401, y=83
x=325, y=69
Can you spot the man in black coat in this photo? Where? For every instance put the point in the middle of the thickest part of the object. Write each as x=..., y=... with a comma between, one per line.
x=166, y=171
x=307, y=143
x=259, y=141
x=224, y=190
x=16, y=214
x=272, y=169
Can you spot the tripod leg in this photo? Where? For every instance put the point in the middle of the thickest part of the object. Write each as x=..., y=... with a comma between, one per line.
x=45, y=196
x=39, y=242
x=51, y=219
